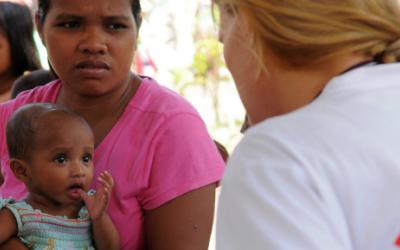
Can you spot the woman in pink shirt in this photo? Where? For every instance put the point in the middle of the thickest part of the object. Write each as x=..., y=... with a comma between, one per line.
x=151, y=140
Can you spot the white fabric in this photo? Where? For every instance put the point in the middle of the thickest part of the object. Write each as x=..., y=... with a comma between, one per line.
x=326, y=176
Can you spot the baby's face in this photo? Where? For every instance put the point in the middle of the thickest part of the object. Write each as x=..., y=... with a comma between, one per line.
x=61, y=161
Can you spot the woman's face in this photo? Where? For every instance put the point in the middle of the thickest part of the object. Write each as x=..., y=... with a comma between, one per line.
x=5, y=56
x=90, y=44
x=255, y=90
x=231, y=34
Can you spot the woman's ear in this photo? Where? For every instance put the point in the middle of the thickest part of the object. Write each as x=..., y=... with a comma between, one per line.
x=20, y=170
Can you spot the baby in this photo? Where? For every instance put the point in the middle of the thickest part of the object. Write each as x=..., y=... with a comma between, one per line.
x=51, y=151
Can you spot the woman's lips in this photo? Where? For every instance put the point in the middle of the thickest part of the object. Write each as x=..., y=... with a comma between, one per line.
x=92, y=69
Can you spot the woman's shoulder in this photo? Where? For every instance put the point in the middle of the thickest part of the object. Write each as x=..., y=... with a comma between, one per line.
x=43, y=93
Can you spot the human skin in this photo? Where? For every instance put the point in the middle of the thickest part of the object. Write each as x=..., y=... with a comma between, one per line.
x=91, y=46
x=269, y=85
x=58, y=170
x=5, y=55
x=6, y=77
x=61, y=156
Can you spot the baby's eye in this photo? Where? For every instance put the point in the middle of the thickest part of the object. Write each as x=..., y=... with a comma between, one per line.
x=60, y=159
x=87, y=158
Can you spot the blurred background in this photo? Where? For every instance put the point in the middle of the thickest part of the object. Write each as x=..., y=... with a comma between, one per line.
x=179, y=47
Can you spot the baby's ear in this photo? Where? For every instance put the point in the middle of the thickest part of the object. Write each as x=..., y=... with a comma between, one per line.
x=20, y=169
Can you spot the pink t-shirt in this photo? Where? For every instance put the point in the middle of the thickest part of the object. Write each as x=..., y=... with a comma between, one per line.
x=159, y=149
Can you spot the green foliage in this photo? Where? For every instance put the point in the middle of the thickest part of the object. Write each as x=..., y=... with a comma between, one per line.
x=207, y=69
x=207, y=61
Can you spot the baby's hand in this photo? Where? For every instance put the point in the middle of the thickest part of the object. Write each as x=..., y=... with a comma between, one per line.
x=97, y=203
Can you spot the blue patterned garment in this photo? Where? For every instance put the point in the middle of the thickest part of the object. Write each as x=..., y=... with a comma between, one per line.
x=47, y=232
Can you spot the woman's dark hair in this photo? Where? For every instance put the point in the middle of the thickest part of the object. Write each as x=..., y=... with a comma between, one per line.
x=44, y=6
x=16, y=24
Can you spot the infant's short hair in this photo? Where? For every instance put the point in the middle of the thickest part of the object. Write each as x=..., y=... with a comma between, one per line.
x=22, y=126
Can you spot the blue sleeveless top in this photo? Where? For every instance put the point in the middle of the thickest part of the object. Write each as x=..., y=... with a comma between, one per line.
x=43, y=231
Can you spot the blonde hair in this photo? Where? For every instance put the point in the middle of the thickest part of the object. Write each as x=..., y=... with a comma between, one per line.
x=304, y=32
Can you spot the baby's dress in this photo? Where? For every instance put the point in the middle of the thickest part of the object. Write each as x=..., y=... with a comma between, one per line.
x=43, y=231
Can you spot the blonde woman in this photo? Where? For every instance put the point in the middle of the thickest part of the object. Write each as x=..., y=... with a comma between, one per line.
x=320, y=166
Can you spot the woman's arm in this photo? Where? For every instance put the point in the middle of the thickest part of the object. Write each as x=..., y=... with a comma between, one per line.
x=8, y=225
x=183, y=223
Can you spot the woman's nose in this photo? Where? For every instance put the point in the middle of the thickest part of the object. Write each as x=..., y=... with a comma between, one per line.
x=93, y=41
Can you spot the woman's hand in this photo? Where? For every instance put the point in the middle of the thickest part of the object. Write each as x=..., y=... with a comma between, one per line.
x=98, y=202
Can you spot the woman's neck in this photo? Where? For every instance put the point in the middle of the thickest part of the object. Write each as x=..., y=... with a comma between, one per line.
x=297, y=87
x=101, y=112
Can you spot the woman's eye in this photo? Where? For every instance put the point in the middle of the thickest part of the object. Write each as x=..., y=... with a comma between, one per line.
x=87, y=158
x=228, y=8
x=69, y=25
x=60, y=159
x=116, y=26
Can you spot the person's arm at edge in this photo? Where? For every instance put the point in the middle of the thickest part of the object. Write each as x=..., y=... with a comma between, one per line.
x=183, y=223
